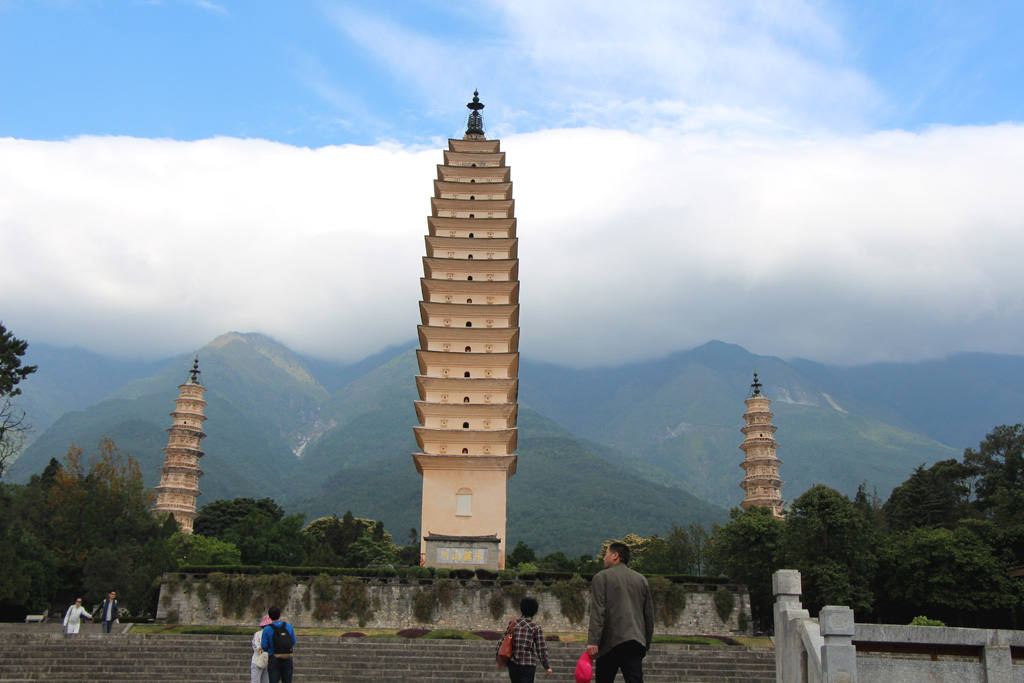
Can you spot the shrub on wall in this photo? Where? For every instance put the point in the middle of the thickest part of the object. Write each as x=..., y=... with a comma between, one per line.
x=234, y=593
x=307, y=595
x=515, y=593
x=352, y=600
x=270, y=589
x=423, y=605
x=445, y=589
x=669, y=599
x=571, y=598
x=724, y=602
x=324, y=592
x=496, y=604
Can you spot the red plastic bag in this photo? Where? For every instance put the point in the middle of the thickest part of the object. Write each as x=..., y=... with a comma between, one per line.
x=584, y=668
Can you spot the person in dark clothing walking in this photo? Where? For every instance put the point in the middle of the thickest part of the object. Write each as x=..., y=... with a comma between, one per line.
x=108, y=612
x=621, y=619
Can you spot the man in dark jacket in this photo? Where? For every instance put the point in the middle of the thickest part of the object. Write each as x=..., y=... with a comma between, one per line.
x=108, y=612
x=621, y=618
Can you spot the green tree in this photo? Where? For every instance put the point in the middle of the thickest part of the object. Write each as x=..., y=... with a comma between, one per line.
x=409, y=554
x=101, y=530
x=217, y=518
x=673, y=554
x=198, y=550
x=261, y=540
x=28, y=566
x=699, y=540
x=521, y=554
x=951, y=574
x=12, y=418
x=747, y=550
x=104, y=506
x=350, y=542
x=998, y=464
x=832, y=543
x=933, y=497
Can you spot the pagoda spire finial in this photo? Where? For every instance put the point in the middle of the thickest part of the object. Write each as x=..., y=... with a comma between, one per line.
x=756, y=386
x=195, y=371
x=475, y=124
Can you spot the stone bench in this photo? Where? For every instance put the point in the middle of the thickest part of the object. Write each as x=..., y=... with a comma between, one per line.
x=34, y=618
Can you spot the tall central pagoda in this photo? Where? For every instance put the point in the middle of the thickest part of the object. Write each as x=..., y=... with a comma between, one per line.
x=469, y=355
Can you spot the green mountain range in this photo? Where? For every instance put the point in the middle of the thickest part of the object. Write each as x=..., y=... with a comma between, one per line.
x=602, y=452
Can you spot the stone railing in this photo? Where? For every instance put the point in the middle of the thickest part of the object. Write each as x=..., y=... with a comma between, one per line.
x=835, y=649
x=391, y=603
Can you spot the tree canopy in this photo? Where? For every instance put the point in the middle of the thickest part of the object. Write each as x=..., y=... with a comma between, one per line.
x=11, y=369
x=12, y=418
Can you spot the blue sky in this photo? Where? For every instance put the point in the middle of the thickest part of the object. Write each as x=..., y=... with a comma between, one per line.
x=320, y=73
x=838, y=181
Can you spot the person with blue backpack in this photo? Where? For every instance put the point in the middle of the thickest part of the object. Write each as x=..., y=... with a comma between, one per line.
x=278, y=642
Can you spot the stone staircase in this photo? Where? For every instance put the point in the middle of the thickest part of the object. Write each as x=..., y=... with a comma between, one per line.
x=29, y=654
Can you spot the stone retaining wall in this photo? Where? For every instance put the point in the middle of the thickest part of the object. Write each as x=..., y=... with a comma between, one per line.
x=390, y=604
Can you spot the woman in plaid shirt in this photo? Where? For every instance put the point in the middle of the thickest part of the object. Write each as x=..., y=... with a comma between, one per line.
x=527, y=644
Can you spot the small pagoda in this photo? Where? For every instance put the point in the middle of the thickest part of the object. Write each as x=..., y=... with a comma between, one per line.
x=468, y=355
x=179, y=477
x=761, y=483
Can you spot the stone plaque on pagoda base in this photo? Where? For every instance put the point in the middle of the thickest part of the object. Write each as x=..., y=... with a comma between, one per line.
x=462, y=552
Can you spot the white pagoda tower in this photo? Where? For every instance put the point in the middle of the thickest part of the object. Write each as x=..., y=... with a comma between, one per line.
x=761, y=483
x=179, y=477
x=468, y=355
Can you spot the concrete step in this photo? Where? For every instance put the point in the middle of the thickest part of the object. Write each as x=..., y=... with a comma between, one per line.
x=34, y=656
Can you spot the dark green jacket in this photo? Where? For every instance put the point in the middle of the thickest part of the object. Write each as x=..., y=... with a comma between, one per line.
x=621, y=609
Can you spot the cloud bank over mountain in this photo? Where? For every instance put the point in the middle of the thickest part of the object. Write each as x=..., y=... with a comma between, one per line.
x=839, y=248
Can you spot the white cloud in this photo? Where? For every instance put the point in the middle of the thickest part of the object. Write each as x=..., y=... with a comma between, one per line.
x=777, y=65
x=847, y=249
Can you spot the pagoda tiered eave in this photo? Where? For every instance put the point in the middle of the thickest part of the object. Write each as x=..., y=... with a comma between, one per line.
x=474, y=159
x=482, y=269
x=489, y=228
x=458, y=291
x=449, y=189
x=445, y=363
x=429, y=461
x=429, y=412
x=476, y=146
x=469, y=339
x=469, y=315
x=503, y=390
x=489, y=248
x=458, y=208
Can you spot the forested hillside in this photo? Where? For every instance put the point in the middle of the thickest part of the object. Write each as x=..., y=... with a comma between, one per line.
x=322, y=438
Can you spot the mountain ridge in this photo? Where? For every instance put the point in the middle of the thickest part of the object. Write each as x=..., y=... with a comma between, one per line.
x=672, y=423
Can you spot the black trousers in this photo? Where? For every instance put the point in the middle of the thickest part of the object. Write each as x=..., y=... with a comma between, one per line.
x=280, y=670
x=517, y=673
x=627, y=657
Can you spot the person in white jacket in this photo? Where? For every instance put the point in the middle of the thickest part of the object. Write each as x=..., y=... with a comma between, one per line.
x=74, y=617
x=259, y=674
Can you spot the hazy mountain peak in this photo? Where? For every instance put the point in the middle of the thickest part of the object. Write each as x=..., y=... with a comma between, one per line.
x=278, y=354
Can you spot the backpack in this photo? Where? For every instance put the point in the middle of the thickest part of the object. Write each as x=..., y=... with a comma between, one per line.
x=282, y=639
